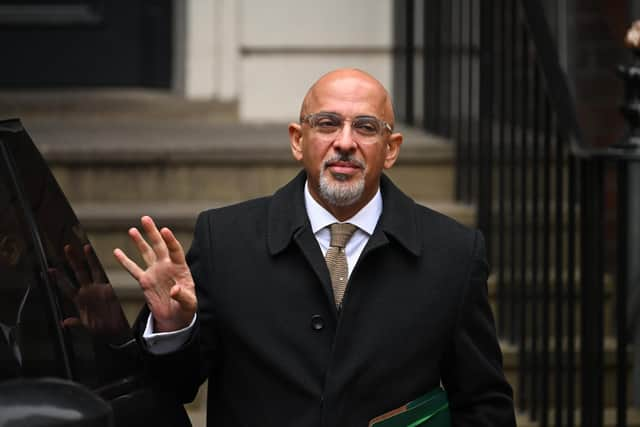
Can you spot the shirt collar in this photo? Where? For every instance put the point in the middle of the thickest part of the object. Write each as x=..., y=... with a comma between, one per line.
x=288, y=219
x=365, y=219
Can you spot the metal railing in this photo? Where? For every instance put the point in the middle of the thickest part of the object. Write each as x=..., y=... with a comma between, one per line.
x=485, y=73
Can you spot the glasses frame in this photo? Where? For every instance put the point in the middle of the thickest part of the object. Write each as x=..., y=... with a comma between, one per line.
x=309, y=119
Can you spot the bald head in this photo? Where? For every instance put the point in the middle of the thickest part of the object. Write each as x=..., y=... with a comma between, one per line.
x=349, y=82
x=344, y=163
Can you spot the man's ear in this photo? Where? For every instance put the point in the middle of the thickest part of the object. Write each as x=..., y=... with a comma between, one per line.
x=392, y=149
x=295, y=140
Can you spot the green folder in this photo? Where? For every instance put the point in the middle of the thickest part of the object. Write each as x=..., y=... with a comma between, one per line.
x=430, y=410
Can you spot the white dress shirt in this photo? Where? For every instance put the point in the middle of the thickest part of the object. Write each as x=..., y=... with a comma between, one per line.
x=320, y=219
x=366, y=220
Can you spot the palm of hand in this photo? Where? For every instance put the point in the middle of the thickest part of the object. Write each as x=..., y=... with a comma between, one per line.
x=167, y=283
x=157, y=283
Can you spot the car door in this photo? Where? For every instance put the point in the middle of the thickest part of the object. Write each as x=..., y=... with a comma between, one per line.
x=59, y=315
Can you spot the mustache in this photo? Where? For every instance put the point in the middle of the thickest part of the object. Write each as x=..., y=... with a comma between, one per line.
x=344, y=157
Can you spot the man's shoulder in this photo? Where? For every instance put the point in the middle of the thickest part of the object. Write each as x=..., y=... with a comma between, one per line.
x=405, y=207
x=444, y=231
x=419, y=225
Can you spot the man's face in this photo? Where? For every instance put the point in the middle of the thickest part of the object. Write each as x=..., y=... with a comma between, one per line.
x=344, y=167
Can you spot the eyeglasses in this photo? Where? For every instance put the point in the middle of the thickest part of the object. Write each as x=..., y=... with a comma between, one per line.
x=367, y=129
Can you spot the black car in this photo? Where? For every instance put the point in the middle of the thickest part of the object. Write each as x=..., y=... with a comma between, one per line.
x=64, y=340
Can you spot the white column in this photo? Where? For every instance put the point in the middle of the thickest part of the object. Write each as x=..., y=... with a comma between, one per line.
x=205, y=49
x=227, y=54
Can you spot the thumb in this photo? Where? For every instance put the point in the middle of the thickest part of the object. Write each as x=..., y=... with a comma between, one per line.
x=187, y=299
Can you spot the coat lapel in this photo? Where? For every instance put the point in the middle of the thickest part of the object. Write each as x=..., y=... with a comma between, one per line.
x=309, y=246
x=398, y=221
x=288, y=221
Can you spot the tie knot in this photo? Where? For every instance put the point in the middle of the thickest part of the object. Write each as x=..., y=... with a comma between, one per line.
x=341, y=233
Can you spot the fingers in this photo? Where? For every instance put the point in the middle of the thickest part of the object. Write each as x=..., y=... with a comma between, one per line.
x=155, y=238
x=147, y=253
x=163, y=243
x=133, y=269
x=176, y=253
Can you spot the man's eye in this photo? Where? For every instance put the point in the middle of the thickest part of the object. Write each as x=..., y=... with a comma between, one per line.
x=327, y=123
x=366, y=127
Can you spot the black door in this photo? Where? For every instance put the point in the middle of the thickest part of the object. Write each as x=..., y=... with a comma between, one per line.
x=72, y=43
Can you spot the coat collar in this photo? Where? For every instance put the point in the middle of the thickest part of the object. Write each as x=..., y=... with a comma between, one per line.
x=288, y=217
x=287, y=214
x=399, y=217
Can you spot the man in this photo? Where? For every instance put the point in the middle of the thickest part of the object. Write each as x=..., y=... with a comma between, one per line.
x=280, y=339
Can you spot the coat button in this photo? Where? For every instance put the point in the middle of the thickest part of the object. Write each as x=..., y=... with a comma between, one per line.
x=317, y=322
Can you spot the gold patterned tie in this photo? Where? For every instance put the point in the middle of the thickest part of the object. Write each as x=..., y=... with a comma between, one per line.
x=337, y=259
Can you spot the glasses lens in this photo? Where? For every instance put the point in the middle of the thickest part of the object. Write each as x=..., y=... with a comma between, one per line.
x=366, y=126
x=326, y=122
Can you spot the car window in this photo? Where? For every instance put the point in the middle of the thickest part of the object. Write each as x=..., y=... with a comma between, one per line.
x=28, y=343
x=96, y=332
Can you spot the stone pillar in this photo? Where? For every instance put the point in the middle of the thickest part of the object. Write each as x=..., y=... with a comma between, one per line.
x=206, y=49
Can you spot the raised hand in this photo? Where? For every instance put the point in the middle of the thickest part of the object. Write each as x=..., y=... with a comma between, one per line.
x=166, y=282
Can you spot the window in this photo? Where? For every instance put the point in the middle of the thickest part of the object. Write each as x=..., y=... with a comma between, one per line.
x=96, y=334
x=28, y=344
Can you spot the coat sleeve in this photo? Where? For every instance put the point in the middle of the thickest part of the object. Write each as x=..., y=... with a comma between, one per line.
x=184, y=370
x=472, y=371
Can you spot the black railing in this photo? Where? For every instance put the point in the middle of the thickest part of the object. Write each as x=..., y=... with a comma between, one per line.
x=485, y=73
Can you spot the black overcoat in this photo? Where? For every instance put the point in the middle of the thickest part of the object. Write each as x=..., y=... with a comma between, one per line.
x=277, y=353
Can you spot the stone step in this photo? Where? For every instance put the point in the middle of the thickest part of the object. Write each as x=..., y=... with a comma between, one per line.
x=107, y=223
x=109, y=104
x=154, y=160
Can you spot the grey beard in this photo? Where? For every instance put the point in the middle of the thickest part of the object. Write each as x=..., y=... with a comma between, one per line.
x=340, y=192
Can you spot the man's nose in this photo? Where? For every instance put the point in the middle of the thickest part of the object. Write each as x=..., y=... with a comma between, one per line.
x=345, y=139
